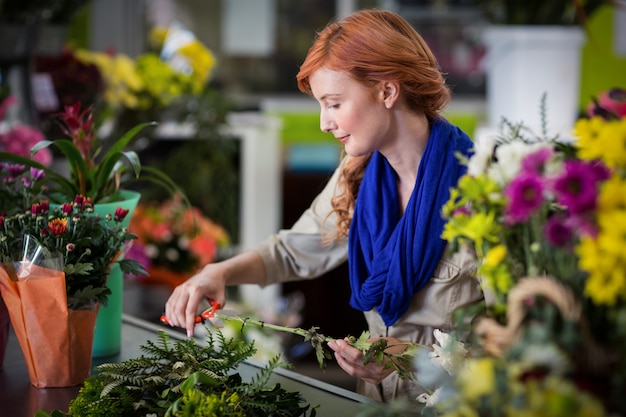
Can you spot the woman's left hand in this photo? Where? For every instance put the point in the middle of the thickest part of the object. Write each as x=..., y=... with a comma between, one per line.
x=350, y=359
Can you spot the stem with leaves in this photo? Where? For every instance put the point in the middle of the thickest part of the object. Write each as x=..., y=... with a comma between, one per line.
x=373, y=350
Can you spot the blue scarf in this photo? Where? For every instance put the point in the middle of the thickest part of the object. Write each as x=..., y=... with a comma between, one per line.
x=391, y=257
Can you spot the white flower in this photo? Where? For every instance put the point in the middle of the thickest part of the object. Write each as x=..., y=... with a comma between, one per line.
x=483, y=150
x=509, y=158
x=430, y=400
x=449, y=354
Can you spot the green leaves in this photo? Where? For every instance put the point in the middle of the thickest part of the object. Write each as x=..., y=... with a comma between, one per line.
x=185, y=378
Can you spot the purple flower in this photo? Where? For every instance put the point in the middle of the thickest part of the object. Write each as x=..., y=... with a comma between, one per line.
x=536, y=161
x=15, y=170
x=36, y=173
x=557, y=230
x=525, y=196
x=576, y=188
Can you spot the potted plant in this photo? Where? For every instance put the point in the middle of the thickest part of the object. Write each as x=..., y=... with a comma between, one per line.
x=55, y=267
x=102, y=174
x=534, y=48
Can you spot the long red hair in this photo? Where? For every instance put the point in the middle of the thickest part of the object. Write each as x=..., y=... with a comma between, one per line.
x=374, y=46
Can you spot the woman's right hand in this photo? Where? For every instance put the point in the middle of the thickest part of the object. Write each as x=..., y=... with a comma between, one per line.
x=181, y=308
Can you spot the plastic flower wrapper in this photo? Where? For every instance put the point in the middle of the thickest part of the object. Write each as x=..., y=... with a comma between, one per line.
x=56, y=341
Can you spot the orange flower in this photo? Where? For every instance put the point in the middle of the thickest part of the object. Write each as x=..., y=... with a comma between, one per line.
x=57, y=226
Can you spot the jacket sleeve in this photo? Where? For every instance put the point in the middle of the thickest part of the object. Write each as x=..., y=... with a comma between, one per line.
x=300, y=252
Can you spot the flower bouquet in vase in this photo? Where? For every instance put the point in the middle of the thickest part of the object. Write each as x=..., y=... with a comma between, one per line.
x=101, y=172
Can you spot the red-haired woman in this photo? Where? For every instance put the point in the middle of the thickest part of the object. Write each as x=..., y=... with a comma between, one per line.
x=380, y=92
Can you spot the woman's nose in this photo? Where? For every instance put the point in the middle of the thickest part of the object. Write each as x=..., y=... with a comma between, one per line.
x=326, y=124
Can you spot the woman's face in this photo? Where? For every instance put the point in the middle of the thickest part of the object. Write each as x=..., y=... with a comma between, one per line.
x=354, y=114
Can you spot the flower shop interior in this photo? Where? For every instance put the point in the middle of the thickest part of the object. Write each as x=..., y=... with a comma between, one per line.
x=244, y=146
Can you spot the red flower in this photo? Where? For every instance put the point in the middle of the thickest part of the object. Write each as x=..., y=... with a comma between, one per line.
x=79, y=126
x=120, y=213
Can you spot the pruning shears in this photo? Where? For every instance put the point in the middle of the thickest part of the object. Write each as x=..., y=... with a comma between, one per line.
x=208, y=314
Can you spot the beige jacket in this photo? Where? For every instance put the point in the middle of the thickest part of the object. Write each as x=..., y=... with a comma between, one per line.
x=298, y=253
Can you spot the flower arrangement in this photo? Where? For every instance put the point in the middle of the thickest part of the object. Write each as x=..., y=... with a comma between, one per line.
x=85, y=244
x=174, y=240
x=546, y=221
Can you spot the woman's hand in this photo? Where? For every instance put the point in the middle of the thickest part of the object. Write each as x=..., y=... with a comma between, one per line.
x=350, y=359
x=181, y=308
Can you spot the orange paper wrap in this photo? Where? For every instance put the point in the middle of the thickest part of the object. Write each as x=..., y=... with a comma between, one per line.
x=56, y=342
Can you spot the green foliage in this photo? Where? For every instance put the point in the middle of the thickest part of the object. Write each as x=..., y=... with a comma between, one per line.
x=377, y=352
x=186, y=378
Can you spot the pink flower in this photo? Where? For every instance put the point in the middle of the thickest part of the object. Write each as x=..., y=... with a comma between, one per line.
x=557, y=231
x=577, y=188
x=20, y=139
x=536, y=161
x=610, y=104
x=525, y=196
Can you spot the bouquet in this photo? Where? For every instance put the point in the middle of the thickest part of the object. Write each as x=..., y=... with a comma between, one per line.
x=546, y=221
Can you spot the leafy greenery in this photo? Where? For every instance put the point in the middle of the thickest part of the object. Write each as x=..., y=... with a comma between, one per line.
x=185, y=378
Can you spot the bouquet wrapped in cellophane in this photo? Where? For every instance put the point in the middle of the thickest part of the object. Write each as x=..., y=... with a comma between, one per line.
x=56, y=341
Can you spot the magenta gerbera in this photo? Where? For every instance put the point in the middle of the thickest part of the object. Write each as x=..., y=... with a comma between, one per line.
x=525, y=196
x=577, y=188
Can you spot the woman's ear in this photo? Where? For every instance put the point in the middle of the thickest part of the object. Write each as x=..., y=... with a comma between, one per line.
x=390, y=91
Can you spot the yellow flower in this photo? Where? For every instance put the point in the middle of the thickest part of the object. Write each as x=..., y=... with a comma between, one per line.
x=613, y=138
x=202, y=63
x=478, y=378
x=478, y=227
x=602, y=139
x=495, y=256
x=613, y=194
x=587, y=131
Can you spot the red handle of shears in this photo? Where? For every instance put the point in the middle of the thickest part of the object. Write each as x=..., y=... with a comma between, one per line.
x=202, y=317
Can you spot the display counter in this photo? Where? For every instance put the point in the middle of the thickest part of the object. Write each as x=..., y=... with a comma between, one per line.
x=20, y=399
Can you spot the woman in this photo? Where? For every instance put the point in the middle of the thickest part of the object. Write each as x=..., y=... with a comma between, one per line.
x=380, y=93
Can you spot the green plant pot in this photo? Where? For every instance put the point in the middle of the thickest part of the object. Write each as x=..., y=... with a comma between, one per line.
x=108, y=332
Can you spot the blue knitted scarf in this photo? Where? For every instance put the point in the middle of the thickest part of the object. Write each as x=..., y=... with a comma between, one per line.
x=391, y=257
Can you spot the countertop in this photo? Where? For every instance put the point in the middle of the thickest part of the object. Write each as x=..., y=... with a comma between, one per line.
x=20, y=399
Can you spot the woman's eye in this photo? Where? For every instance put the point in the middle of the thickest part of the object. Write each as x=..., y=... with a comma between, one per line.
x=333, y=106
